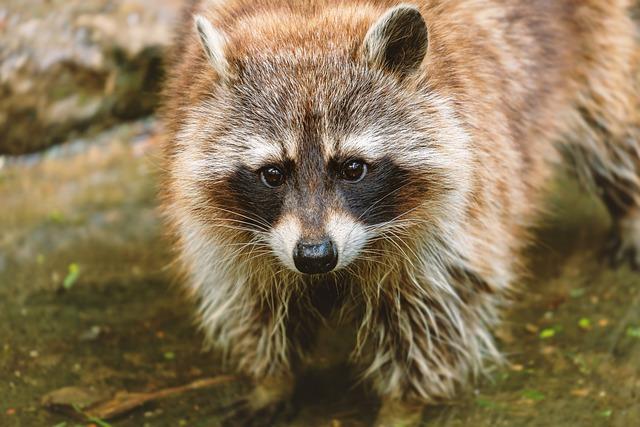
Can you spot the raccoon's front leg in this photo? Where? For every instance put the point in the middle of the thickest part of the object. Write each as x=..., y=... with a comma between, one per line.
x=266, y=350
x=399, y=413
x=424, y=344
x=608, y=156
x=624, y=244
x=270, y=399
x=617, y=178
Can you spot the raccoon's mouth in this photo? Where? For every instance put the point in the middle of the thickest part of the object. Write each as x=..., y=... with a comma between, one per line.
x=315, y=257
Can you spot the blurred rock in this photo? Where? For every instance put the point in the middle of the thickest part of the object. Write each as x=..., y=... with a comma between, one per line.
x=67, y=66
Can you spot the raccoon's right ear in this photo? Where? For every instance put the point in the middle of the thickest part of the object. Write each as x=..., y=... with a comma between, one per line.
x=398, y=41
x=213, y=43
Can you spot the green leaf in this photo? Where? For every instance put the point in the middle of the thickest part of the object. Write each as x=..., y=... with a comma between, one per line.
x=633, y=331
x=99, y=422
x=57, y=217
x=585, y=323
x=485, y=403
x=72, y=276
x=533, y=395
x=577, y=293
x=547, y=333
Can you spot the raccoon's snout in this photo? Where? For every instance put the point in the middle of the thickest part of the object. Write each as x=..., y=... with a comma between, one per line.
x=314, y=257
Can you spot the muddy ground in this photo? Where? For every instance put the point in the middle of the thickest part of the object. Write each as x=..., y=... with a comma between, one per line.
x=87, y=300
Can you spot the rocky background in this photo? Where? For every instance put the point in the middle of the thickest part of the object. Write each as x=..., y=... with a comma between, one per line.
x=68, y=66
x=94, y=330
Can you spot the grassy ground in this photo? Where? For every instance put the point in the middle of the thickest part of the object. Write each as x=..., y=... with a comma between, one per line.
x=87, y=300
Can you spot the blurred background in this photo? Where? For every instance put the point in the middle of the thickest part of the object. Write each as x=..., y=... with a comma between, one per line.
x=89, y=307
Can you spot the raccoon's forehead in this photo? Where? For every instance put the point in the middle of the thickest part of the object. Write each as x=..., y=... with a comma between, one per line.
x=256, y=151
x=280, y=92
x=275, y=110
x=304, y=142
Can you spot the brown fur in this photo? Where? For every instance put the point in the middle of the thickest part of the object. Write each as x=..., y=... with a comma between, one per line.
x=529, y=81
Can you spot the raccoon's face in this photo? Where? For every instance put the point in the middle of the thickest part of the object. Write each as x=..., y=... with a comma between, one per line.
x=316, y=157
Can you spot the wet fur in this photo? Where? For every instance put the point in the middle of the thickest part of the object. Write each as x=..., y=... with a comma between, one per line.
x=506, y=90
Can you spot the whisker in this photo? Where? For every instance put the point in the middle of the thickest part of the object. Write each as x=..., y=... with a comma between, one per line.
x=241, y=213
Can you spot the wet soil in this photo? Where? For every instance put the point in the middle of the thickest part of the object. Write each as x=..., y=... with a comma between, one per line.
x=87, y=299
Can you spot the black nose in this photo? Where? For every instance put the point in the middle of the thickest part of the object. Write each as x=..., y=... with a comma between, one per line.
x=315, y=258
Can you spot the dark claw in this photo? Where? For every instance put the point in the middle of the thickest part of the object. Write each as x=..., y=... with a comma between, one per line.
x=242, y=414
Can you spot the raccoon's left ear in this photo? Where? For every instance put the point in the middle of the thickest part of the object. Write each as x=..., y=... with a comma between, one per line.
x=214, y=44
x=398, y=41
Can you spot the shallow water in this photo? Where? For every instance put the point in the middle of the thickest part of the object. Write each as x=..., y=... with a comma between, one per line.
x=87, y=299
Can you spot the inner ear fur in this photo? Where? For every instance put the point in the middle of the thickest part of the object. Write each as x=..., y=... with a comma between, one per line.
x=214, y=44
x=398, y=41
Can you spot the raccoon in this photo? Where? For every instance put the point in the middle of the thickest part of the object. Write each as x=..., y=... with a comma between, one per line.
x=384, y=161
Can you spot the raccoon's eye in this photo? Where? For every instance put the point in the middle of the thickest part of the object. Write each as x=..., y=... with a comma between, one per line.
x=353, y=170
x=271, y=176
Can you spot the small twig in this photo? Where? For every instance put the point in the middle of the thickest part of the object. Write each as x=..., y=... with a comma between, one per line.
x=124, y=402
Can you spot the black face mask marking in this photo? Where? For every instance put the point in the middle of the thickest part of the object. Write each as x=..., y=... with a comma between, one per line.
x=259, y=205
x=386, y=192
x=313, y=185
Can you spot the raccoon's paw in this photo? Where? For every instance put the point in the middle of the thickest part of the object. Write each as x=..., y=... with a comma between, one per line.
x=395, y=413
x=269, y=400
x=244, y=413
x=624, y=244
x=621, y=251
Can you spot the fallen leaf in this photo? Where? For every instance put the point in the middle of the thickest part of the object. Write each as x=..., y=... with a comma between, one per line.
x=67, y=399
x=505, y=335
x=580, y=392
x=72, y=276
x=633, y=332
x=577, y=293
x=530, y=327
x=485, y=403
x=584, y=323
x=547, y=333
x=533, y=395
